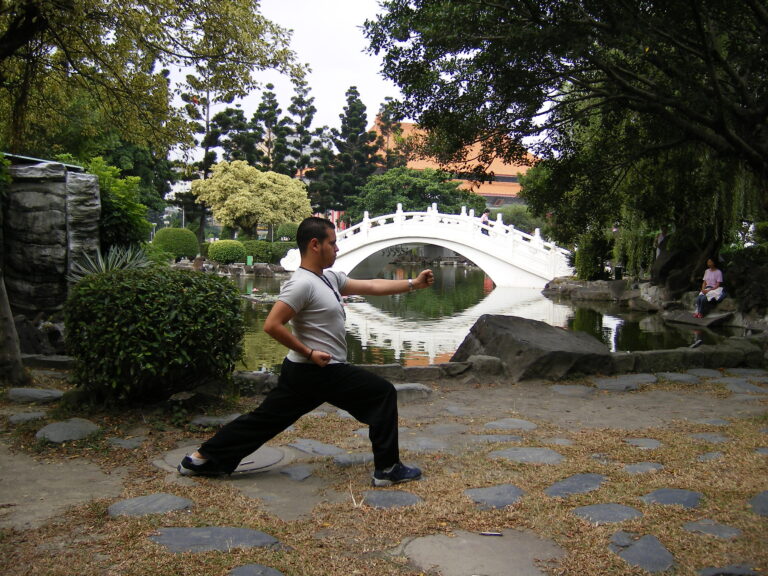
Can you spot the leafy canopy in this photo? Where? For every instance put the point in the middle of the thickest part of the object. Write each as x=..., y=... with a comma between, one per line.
x=242, y=196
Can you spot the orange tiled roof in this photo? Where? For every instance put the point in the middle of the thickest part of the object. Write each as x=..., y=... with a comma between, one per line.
x=505, y=184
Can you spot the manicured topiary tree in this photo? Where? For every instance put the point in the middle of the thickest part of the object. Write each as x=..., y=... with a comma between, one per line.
x=287, y=230
x=180, y=242
x=142, y=335
x=227, y=251
x=261, y=250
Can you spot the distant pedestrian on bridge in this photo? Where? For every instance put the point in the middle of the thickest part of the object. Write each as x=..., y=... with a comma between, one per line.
x=316, y=369
x=485, y=219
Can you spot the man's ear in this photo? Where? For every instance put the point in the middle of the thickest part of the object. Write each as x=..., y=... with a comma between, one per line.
x=314, y=244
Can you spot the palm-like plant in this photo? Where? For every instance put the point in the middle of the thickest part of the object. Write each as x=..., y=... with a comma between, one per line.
x=117, y=258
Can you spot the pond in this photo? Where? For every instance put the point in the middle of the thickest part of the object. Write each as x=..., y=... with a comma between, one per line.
x=427, y=326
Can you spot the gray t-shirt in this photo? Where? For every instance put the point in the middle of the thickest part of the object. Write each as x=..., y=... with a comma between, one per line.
x=319, y=319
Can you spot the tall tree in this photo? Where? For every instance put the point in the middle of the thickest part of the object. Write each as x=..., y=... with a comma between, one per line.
x=496, y=70
x=303, y=143
x=390, y=141
x=273, y=129
x=236, y=136
x=242, y=196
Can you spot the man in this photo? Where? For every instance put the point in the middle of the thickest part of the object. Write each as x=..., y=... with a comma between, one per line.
x=316, y=369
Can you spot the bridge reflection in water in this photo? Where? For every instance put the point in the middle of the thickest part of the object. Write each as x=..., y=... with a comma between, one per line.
x=429, y=341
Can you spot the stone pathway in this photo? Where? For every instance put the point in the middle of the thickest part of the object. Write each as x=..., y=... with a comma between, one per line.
x=283, y=477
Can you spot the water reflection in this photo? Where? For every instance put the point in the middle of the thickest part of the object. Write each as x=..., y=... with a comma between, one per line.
x=427, y=326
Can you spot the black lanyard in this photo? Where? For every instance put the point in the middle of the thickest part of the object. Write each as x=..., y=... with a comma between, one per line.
x=326, y=281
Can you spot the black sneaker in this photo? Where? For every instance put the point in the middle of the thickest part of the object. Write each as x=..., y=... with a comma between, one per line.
x=395, y=475
x=207, y=468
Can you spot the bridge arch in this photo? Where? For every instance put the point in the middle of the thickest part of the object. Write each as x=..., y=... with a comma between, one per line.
x=511, y=258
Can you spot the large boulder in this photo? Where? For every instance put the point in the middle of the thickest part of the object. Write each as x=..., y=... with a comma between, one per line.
x=531, y=349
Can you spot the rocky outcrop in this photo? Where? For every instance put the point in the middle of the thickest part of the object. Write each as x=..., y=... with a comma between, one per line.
x=532, y=349
x=51, y=219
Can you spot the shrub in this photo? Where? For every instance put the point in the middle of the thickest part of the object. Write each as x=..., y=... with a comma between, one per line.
x=287, y=230
x=227, y=251
x=142, y=335
x=261, y=250
x=280, y=249
x=117, y=258
x=180, y=242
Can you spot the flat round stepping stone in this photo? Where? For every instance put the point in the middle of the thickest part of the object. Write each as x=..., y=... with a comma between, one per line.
x=649, y=554
x=511, y=424
x=762, y=450
x=558, y=441
x=673, y=496
x=67, y=431
x=412, y=392
x=643, y=443
x=494, y=438
x=424, y=444
x=617, y=384
x=705, y=372
x=711, y=438
x=607, y=513
x=642, y=467
x=707, y=526
x=315, y=447
x=353, y=459
x=212, y=421
x=678, y=377
x=298, y=472
x=709, y=456
x=759, y=504
x=747, y=371
x=575, y=390
x=22, y=417
x=211, y=538
x=732, y=570
x=151, y=504
x=37, y=395
x=260, y=460
x=746, y=388
x=390, y=498
x=495, y=496
x=254, y=570
x=446, y=429
x=576, y=484
x=725, y=380
x=529, y=455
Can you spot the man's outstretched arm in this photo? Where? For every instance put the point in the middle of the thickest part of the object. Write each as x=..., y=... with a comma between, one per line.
x=381, y=287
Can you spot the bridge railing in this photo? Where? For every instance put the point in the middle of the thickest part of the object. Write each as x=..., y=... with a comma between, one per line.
x=465, y=221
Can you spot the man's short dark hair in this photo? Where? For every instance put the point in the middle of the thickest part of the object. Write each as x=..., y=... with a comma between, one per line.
x=312, y=227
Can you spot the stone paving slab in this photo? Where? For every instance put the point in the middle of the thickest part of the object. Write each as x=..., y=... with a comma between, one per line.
x=68, y=431
x=707, y=526
x=390, y=498
x=495, y=496
x=151, y=504
x=672, y=497
x=647, y=552
x=212, y=538
x=607, y=513
x=529, y=455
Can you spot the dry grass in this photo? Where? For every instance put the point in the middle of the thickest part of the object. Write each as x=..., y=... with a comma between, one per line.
x=351, y=537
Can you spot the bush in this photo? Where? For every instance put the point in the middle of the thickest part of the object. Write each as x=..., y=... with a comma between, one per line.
x=280, y=249
x=142, y=335
x=287, y=230
x=227, y=251
x=180, y=242
x=261, y=250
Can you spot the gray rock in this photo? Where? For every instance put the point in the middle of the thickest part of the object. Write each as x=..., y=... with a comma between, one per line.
x=390, y=498
x=558, y=441
x=607, y=513
x=673, y=496
x=617, y=384
x=298, y=472
x=212, y=421
x=745, y=388
x=747, y=372
x=453, y=369
x=315, y=447
x=678, y=377
x=486, y=364
x=711, y=438
x=67, y=431
x=643, y=443
x=642, y=468
x=762, y=450
x=354, y=459
x=495, y=496
x=621, y=539
x=254, y=570
x=705, y=372
x=424, y=444
x=36, y=395
x=709, y=456
x=412, y=392
x=490, y=438
x=529, y=455
x=531, y=349
x=759, y=504
x=511, y=424
x=429, y=373
x=576, y=484
x=254, y=382
x=707, y=526
x=151, y=504
x=731, y=570
x=26, y=417
x=212, y=538
x=393, y=372
x=649, y=554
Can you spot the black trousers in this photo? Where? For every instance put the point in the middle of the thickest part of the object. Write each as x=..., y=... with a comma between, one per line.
x=301, y=388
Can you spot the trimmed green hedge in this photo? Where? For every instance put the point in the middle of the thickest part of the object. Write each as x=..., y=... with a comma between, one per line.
x=180, y=242
x=142, y=335
x=280, y=249
x=261, y=250
x=227, y=251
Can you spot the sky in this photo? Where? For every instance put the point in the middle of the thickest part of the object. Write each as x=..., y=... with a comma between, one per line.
x=327, y=35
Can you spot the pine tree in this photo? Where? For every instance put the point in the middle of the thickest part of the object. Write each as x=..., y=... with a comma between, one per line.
x=273, y=131
x=236, y=138
x=304, y=143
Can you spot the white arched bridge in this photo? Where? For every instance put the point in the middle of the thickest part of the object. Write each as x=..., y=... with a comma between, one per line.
x=509, y=257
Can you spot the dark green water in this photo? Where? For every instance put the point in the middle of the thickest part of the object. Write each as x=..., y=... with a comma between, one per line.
x=426, y=327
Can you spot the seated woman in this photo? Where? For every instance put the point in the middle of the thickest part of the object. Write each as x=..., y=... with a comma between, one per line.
x=711, y=289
